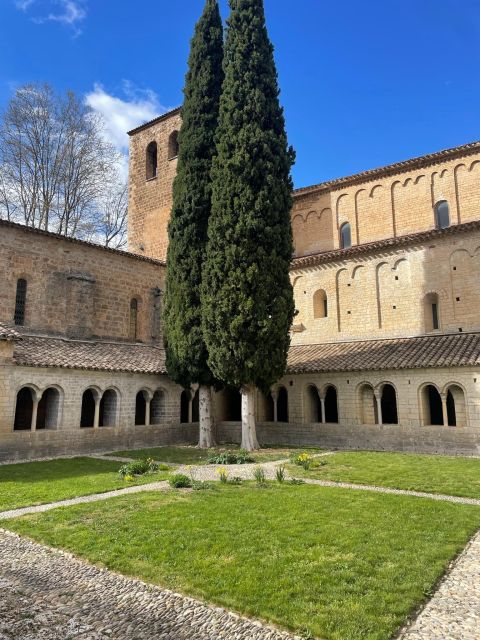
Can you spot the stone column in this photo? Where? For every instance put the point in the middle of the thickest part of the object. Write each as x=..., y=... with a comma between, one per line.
x=378, y=400
x=96, y=419
x=36, y=399
x=444, y=409
x=274, y=393
x=322, y=407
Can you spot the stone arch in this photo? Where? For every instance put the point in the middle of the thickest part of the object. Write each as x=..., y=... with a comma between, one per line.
x=431, y=312
x=173, y=146
x=320, y=304
x=367, y=404
x=430, y=403
x=25, y=399
x=49, y=408
x=109, y=408
x=90, y=399
x=388, y=403
x=142, y=400
x=456, y=404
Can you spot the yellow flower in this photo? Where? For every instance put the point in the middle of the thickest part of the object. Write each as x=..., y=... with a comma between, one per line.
x=129, y=478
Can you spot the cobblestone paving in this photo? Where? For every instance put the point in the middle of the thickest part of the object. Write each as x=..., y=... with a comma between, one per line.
x=50, y=595
x=454, y=611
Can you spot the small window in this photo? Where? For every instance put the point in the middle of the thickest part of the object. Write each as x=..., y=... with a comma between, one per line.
x=442, y=215
x=432, y=312
x=173, y=145
x=133, y=319
x=20, y=302
x=152, y=160
x=320, y=304
x=345, y=236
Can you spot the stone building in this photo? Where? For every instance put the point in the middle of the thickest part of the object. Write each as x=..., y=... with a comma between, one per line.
x=385, y=346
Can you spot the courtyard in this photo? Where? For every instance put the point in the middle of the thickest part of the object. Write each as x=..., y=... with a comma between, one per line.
x=350, y=553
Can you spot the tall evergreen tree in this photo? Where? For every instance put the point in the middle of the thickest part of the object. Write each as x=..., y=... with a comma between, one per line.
x=247, y=297
x=185, y=348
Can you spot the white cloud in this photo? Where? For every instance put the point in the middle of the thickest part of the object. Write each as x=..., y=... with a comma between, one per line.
x=121, y=114
x=70, y=13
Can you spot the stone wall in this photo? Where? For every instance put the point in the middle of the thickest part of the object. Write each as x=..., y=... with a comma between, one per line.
x=76, y=288
x=386, y=294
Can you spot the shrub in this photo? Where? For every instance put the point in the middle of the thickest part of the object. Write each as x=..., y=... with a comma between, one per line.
x=302, y=460
x=235, y=480
x=296, y=481
x=202, y=485
x=180, y=481
x=280, y=474
x=259, y=475
x=231, y=457
x=138, y=468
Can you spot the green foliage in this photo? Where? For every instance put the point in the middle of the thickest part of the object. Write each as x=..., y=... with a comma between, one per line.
x=260, y=477
x=180, y=481
x=186, y=355
x=223, y=475
x=247, y=298
x=231, y=457
x=280, y=474
x=307, y=461
x=296, y=481
x=138, y=468
x=202, y=485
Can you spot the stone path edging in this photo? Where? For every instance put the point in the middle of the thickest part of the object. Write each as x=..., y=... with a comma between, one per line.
x=453, y=613
x=51, y=595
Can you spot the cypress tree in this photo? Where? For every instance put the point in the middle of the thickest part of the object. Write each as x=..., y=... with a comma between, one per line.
x=247, y=297
x=186, y=354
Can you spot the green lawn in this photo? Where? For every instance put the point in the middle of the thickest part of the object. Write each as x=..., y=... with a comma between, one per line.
x=434, y=474
x=342, y=565
x=32, y=483
x=193, y=455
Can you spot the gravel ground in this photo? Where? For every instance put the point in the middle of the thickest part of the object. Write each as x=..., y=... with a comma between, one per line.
x=50, y=595
x=454, y=611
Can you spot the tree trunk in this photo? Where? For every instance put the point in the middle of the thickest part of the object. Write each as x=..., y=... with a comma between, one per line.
x=207, y=436
x=249, y=429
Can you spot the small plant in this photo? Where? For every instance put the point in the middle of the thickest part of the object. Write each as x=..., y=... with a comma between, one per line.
x=138, y=468
x=231, y=457
x=296, y=481
x=235, y=480
x=280, y=474
x=180, y=481
x=304, y=460
x=223, y=475
x=202, y=485
x=260, y=477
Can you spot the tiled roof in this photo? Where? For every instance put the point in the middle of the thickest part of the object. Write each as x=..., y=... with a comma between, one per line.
x=146, y=125
x=454, y=350
x=8, y=333
x=378, y=245
x=391, y=169
x=41, y=351
x=85, y=243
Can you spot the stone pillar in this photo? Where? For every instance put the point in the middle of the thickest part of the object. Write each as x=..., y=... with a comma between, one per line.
x=36, y=399
x=274, y=393
x=322, y=406
x=96, y=419
x=148, y=401
x=378, y=400
x=444, y=409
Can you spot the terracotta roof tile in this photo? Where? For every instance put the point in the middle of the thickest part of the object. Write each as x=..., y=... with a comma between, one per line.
x=454, y=350
x=146, y=125
x=8, y=333
x=413, y=238
x=41, y=351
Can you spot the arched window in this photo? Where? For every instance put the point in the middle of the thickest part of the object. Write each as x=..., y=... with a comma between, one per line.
x=442, y=214
x=368, y=405
x=23, y=410
x=152, y=160
x=140, y=409
x=331, y=405
x=87, y=419
x=320, y=304
x=228, y=403
x=20, y=302
x=313, y=407
x=133, y=319
x=108, y=409
x=196, y=407
x=173, y=145
x=431, y=406
x=48, y=410
x=282, y=405
x=345, y=236
x=431, y=312
x=456, y=407
x=389, y=405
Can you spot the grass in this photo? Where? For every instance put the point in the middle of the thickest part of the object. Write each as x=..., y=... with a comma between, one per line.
x=193, y=455
x=33, y=483
x=433, y=474
x=338, y=564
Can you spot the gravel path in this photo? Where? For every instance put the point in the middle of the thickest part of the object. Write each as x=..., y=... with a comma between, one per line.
x=50, y=595
x=454, y=611
x=96, y=497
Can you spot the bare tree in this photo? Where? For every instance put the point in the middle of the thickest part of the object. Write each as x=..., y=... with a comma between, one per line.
x=112, y=222
x=57, y=170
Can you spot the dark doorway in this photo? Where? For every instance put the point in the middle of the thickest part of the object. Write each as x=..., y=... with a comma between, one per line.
x=315, y=404
x=140, y=409
x=184, y=406
x=282, y=405
x=451, y=412
x=434, y=405
x=196, y=407
x=88, y=410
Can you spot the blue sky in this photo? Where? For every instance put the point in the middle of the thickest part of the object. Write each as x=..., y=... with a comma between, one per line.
x=363, y=84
